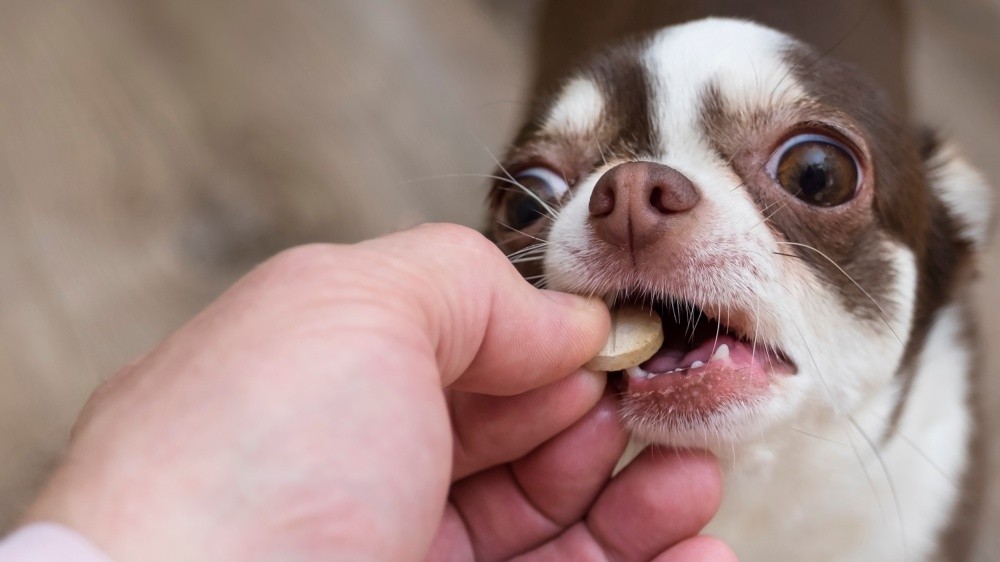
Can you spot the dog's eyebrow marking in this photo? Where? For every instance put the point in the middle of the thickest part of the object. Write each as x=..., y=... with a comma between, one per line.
x=628, y=120
x=578, y=108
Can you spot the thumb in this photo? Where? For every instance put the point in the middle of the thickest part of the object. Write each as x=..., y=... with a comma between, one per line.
x=492, y=331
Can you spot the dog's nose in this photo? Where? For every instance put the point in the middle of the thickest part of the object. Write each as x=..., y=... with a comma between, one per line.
x=634, y=203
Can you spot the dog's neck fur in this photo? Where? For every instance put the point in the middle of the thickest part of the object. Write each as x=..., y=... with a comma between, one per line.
x=841, y=490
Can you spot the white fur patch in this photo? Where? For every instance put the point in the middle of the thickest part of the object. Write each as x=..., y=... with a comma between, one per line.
x=743, y=59
x=965, y=192
x=578, y=108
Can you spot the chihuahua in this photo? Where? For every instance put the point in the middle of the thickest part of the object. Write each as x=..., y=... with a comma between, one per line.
x=809, y=253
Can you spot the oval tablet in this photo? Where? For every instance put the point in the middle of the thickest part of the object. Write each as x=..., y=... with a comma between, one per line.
x=636, y=335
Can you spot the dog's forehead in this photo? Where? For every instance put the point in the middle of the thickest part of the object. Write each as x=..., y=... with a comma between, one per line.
x=742, y=62
x=673, y=72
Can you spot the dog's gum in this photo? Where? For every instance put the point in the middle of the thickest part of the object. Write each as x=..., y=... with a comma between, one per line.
x=636, y=335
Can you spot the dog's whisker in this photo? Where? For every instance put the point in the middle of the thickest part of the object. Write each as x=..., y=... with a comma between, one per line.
x=424, y=179
x=881, y=310
x=527, y=259
x=539, y=247
x=600, y=148
x=549, y=211
x=889, y=481
x=824, y=439
x=841, y=413
x=525, y=234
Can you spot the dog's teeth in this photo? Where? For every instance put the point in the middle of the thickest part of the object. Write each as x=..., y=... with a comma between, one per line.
x=722, y=352
x=697, y=364
x=637, y=372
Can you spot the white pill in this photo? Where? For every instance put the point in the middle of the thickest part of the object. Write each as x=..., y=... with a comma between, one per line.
x=636, y=335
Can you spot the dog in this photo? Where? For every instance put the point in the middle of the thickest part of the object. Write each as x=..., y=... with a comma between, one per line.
x=808, y=251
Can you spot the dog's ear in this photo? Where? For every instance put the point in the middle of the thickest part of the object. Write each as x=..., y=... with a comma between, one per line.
x=962, y=189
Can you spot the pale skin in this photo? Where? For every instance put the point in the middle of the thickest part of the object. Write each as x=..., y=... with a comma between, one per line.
x=405, y=398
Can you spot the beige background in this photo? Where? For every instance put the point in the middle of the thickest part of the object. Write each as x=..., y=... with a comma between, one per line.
x=152, y=150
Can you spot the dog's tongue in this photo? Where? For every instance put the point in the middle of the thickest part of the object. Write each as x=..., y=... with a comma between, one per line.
x=666, y=359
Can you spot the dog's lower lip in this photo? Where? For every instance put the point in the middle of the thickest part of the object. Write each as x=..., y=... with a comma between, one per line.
x=700, y=392
x=734, y=374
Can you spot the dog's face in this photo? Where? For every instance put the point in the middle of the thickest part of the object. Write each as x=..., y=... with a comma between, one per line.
x=793, y=234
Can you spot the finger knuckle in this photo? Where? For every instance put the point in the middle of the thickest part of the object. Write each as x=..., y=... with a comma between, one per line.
x=295, y=265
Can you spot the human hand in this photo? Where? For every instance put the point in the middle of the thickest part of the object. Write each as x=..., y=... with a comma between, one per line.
x=302, y=416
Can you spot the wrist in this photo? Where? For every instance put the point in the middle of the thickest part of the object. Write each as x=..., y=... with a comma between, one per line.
x=125, y=522
x=48, y=542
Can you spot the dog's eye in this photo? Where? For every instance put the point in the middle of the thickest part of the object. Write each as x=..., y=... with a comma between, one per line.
x=817, y=169
x=532, y=196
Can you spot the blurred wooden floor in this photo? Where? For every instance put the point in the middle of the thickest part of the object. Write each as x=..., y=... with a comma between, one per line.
x=151, y=151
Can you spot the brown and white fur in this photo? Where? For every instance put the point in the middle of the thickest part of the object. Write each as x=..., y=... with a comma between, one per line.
x=861, y=447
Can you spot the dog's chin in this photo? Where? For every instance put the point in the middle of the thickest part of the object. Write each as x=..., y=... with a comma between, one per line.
x=709, y=379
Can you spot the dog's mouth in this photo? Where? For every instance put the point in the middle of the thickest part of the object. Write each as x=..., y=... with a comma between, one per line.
x=709, y=360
